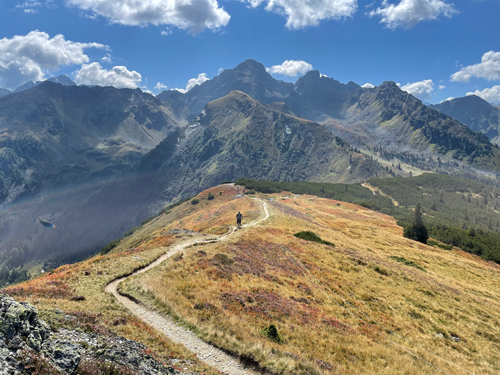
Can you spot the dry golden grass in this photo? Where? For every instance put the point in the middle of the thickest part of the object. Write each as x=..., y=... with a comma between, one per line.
x=88, y=279
x=230, y=291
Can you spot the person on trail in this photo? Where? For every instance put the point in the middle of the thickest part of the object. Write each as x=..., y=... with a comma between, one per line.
x=239, y=216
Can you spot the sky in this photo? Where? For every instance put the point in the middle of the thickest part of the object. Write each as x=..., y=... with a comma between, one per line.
x=434, y=49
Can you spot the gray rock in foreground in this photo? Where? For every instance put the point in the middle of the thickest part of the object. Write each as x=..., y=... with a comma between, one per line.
x=21, y=332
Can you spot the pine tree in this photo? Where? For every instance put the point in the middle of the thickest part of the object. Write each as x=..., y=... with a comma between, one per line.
x=417, y=230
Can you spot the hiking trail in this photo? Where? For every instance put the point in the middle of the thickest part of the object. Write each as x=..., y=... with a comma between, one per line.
x=165, y=325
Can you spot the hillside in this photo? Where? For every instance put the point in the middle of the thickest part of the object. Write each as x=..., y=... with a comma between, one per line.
x=474, y=112
x=332, y=305
x=236, y=136
x=53, y=135
x=393, y=120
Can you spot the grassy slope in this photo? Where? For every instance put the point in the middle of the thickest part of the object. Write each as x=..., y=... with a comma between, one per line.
x=229, y=292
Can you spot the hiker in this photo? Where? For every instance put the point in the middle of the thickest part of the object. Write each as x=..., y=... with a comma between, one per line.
x=238, y=218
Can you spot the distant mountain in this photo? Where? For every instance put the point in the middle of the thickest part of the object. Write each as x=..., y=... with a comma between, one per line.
x=28, y=85
x=236, y=136
x=61, y=79
x=318, y=97
x=249, y=77
x=388, y=117
x=4, y=92
x=476, y=113
x=54, y=134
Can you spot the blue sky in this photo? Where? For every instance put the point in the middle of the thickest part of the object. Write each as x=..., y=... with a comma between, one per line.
x=421, y=44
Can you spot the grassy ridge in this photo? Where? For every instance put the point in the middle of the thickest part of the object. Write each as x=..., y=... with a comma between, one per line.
x=458, y=211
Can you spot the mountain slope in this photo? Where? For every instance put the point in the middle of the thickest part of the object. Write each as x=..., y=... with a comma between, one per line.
x=387, y=117
x=474, y=112
x=59, y=134
x=4, y=92
x=236, y=136
x=249, y=77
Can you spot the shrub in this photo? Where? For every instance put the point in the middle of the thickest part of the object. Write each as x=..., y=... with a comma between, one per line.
x=194, y=201
x=210, y=197
x=226, y=182
x=407, y=262
x=109, y=246
x=251, y=192
x=380, y=271
x=272, y=333
x=147, y=220
x=311, y=236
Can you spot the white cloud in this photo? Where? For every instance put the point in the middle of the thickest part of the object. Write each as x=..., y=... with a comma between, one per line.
x=120, y=77
x=441, y=87
x=220, y=71
x=202, y=77
x=368, y=86
x=322, y=75
x=421, y=90
x=166, y=32
x=488, y=68
x=410, y=12
x=160, y=86
x=450, y=98
x=194, y=15
x=302, y=13
x=30, y=57
x=491, y=95
x=290, y=68
x=107, y=59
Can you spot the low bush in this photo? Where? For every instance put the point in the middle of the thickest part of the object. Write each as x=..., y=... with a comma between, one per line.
x=407, y=262
x=380, y=271
x=250, y=192
x=195, y=201
x=272, y=333
x=226, y=182
x=311, y=236
x=210, y=197
x=109, y=246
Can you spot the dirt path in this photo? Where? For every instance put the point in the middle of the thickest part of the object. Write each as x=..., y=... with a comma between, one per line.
x=205, y=352
x=376, y=190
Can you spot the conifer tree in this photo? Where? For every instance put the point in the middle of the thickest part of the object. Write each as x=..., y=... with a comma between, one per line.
x=417, y=230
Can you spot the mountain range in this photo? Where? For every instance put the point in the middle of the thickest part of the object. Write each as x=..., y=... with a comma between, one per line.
x=99, y=159
x=474, y=112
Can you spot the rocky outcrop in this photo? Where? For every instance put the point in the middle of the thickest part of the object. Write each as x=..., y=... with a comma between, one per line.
x=24, y=336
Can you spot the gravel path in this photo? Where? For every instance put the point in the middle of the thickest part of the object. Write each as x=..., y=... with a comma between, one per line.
x=205, y=352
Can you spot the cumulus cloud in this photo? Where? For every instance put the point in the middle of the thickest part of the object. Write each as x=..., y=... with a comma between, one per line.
x=368, y=86
x=302, y=13
x=193, y=15
x=441, y=87
x=202, y=77
x=160, y=86
x=421, y=90
x=290, y=68
x=407, y=13
x=120, y=77
x=491, y=95
x=30, y=57
x=488, y=68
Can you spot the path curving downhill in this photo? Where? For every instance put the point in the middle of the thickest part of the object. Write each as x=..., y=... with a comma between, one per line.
x=205, y=352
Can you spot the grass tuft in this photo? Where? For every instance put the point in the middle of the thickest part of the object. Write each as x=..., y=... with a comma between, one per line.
x=311, y=236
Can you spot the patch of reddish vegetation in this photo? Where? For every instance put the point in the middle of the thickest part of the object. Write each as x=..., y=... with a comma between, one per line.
x=160, y=241
x=259, y=258
x=52, y=285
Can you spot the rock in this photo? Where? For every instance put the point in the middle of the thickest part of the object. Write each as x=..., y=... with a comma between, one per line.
x=439, y=335
x=34, y=341
x=16, y=343
x=63, y=354
x=456, y=339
